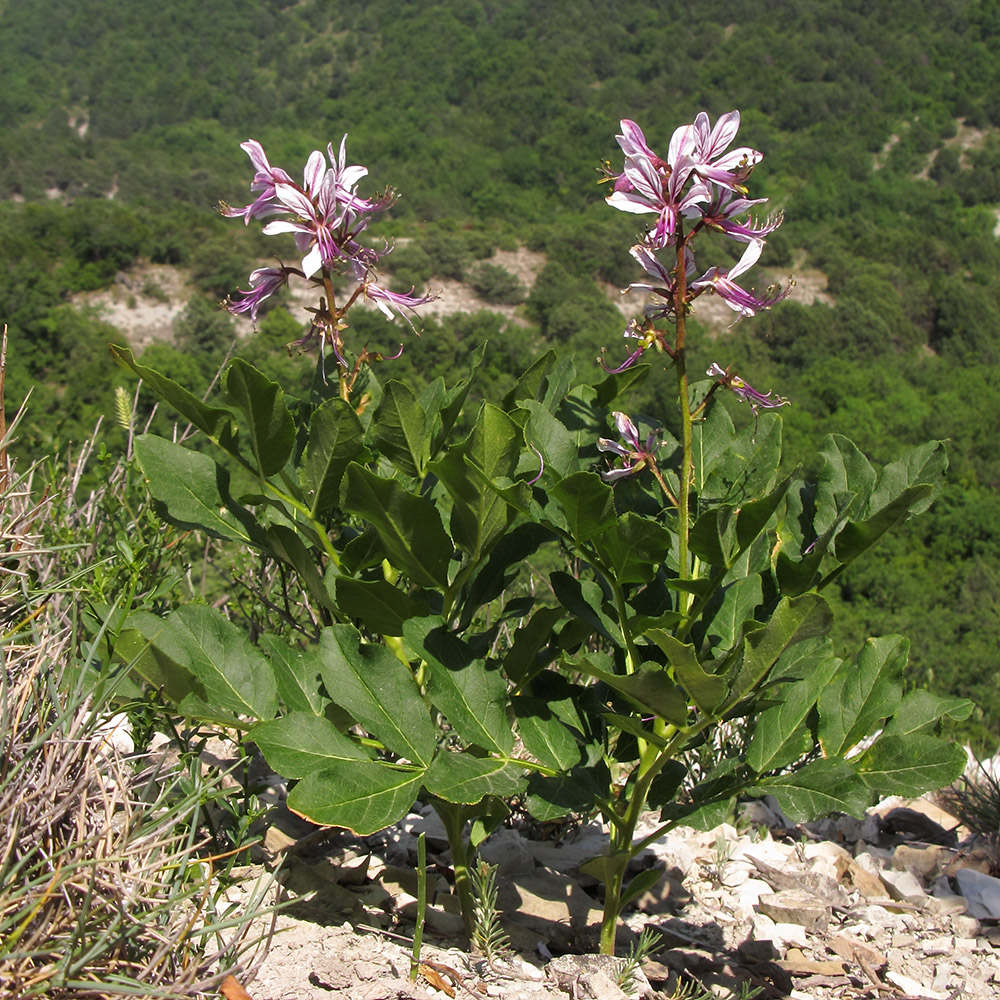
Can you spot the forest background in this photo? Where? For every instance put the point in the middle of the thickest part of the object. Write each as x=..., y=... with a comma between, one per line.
x=119, y=132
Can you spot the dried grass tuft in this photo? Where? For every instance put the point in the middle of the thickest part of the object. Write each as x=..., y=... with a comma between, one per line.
x=102, y=890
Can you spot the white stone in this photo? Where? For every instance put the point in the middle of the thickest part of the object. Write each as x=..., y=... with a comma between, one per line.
x=869, y=862
x=824, y=849
x=762, y=928
x=902, y=885
x=768, y=851
x=913, y=988
x=982, y=892
x=506, y=849
x=675, y=852
x=748, y=894
x=942, y=975
x=878, y=918
x=115, y=732
x=827, y=867
x=791, y=934
x=938, y=945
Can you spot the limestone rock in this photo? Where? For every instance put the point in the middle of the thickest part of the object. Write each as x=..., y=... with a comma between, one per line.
x=792, y=906
x=982, y=893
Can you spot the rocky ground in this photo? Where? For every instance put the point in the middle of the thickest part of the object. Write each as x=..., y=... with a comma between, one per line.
x=898, y=905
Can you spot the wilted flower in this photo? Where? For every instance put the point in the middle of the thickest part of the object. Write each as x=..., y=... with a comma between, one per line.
x=745, y=391
x=637, y=455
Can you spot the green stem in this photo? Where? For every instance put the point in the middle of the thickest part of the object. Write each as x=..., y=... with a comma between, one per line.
x=631, y=654
x=684, y=399
x=418, y=931
x=453, y=819
x=612, y=904
x=622, y=832
x=655, y=469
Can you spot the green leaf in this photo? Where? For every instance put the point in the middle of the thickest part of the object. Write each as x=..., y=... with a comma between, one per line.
x=819, y=788
x=640, y=883
x=734, y=605
x=754, y=516
x=546, y=434
x=299, y=743
x=634, y=547
x=795, y=576
x=271, y=428
x=136, y=645
x=521, y=658
x=925, y=464
x=649, y=687
x=473, y=698
x=844, y=470
x=193, y=489
x=530, y=383
x=543, y=735
x=381, y=607
x=794, y=620
x=631, y=725
x=379, y=691
x=502, y=567
x=704, y=689
x=584, y=599
x=460, y=777
x=747, y=467
x=911, y=765
x=712, y=799
x=363, y=551
x=454, y=399
x=711, y=438
x=215, y=421
x=586, y=503
x=865, y=691
x=408, y=526
x=401, y=431
x=480, y=515
x=776, y=741
x=284, y=543
x=667, y=784
x=920, y=710
x=711, y=538
x=576, y=707
x=551, y=798
x=336, y=438
x=296, y=672
x=603, y=867
x=857, y=537
x=235, y=674
x=615, y=385
x=559, y=385
x=363, y=796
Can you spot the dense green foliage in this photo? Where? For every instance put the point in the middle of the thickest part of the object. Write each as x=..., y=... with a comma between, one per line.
x=491, y=116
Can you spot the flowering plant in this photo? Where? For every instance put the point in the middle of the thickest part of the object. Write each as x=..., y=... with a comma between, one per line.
x=327, y=217
x=420, y=662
